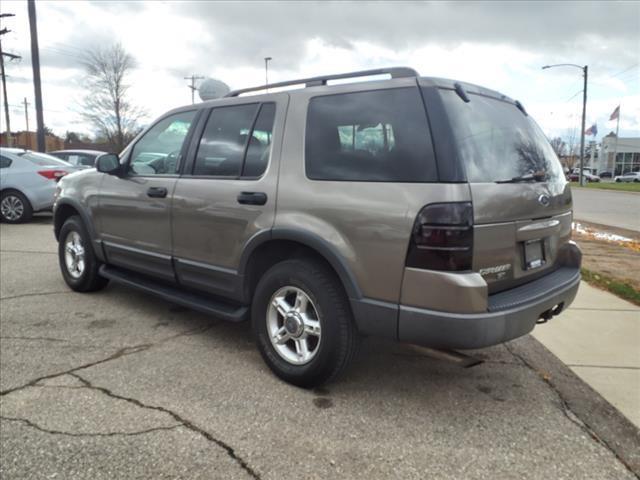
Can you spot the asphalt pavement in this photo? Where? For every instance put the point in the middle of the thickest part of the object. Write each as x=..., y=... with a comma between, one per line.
x=118, y=384
x=607, y=207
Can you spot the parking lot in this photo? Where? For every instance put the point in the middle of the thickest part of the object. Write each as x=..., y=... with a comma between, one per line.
x=118, y=384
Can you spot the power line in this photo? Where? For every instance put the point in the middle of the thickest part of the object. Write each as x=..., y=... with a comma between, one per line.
x=625, y=70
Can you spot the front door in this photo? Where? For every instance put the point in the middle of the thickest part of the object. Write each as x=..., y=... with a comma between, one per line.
x=228, y=195
x=134, y=213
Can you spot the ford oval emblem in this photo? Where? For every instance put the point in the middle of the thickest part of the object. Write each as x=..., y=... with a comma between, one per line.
x=544, y=200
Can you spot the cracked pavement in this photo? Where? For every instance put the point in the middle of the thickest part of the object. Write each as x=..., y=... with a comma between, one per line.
x=118, y=384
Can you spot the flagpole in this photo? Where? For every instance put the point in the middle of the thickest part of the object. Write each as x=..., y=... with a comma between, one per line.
x=615, y=149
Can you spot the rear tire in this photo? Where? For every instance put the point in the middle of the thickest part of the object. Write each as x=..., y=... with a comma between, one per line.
x=15, y=207
x=312, y=300
x=78, y=262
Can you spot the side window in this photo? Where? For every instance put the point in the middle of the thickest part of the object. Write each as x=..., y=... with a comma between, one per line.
x=5, y=162
x=222, y=146
x=260, y=142
x=375, y=136
x=158, y=151
x=72, y=159
x=87, y=160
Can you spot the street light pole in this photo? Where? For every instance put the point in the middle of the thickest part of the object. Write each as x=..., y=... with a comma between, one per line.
x=266, y=72
x=585, y=73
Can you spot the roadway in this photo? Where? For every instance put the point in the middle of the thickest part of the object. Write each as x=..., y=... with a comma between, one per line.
x=118, y=384
x=618, y=209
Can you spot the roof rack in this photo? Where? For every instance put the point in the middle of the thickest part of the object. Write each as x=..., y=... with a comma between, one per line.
x=395, y=72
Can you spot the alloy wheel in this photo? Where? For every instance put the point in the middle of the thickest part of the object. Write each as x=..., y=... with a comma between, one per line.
x=293, y=325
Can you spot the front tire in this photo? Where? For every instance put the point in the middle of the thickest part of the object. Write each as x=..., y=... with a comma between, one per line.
x=78, y=262
x=302, y=322
x=15, y=207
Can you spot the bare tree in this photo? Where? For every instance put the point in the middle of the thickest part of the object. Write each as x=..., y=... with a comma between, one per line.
x=558, y=146
x=107, y=106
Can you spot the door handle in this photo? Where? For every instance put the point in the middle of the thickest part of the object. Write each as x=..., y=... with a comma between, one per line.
x=252, y=198
x=157, y=192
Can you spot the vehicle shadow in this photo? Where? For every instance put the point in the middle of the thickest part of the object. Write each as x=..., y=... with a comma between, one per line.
x=385, y=366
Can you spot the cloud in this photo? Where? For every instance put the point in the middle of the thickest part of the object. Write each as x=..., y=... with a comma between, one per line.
x=244, y=33
x=497, y=44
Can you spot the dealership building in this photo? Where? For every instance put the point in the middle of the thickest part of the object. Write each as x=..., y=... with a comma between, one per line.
x=627, y=153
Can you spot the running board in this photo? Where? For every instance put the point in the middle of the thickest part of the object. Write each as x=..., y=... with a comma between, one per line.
x=193, y=301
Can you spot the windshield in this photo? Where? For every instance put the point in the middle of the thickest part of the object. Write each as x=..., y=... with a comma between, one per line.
x=42, y=159
x=497, y=142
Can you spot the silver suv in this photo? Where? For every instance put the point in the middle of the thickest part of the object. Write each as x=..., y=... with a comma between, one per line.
x=417, y=209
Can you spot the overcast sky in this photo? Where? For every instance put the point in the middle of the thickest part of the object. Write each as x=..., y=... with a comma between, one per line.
x=499, y=45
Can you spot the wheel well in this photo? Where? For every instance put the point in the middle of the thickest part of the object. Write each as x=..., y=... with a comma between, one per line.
x=63, y=212
x=15, y=190
x=9, y=189
x=274, y=251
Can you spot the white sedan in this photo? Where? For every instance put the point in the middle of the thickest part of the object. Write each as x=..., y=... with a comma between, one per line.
x=628, y=177
x=27, y=182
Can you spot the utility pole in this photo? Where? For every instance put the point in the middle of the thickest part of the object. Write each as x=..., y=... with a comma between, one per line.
x=4, y=80
x=266, y=72
x=4, y=95
x=26, y=118
x=585, y=73
x=193, y=88
x=35, y=62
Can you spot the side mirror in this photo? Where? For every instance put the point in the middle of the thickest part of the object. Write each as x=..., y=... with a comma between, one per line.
x=108, y=163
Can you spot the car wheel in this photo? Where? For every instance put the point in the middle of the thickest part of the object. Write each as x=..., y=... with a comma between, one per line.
x=15, y=207
x=302, y=322
x=77, y=259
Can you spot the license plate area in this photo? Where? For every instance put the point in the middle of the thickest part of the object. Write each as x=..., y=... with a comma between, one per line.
x=533, y=254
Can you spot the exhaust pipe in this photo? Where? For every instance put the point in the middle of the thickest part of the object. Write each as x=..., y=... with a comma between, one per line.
x=548, y=314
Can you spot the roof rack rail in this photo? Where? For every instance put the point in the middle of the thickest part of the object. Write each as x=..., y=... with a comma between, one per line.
x=395, y=72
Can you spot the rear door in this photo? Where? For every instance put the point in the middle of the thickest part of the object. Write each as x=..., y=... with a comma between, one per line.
x=133, y=215
x=521, y=200
x=228, y=192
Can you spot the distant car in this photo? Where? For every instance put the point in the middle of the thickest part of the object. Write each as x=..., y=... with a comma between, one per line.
x=79, y=158
x=588, y=176
x=27, y=182
x=606, y=175
x=628, y=177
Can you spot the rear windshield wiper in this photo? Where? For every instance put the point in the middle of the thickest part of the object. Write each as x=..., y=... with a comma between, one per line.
x=535, y=176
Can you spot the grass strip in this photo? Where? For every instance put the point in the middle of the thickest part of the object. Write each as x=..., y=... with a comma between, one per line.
x=621, y=187
x=618, y=288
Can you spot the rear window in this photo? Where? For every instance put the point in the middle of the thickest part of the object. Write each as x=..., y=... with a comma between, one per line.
x=497, y=142
x=376, y=136
x=42, y=159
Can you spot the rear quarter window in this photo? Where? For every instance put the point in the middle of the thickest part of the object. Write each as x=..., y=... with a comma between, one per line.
x=5, y=162
x=375, y=136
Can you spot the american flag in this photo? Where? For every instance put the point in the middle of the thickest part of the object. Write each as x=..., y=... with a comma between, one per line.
x=615, y=114
x=592, y=130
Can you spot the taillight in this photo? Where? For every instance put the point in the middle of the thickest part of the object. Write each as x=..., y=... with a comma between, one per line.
x=52, y=174
x=442, y=237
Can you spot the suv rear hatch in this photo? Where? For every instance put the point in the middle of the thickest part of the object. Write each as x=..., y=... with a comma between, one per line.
x=521, y=200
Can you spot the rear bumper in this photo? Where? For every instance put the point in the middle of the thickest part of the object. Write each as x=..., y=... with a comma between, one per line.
x=510, y=315
x=41, y=195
